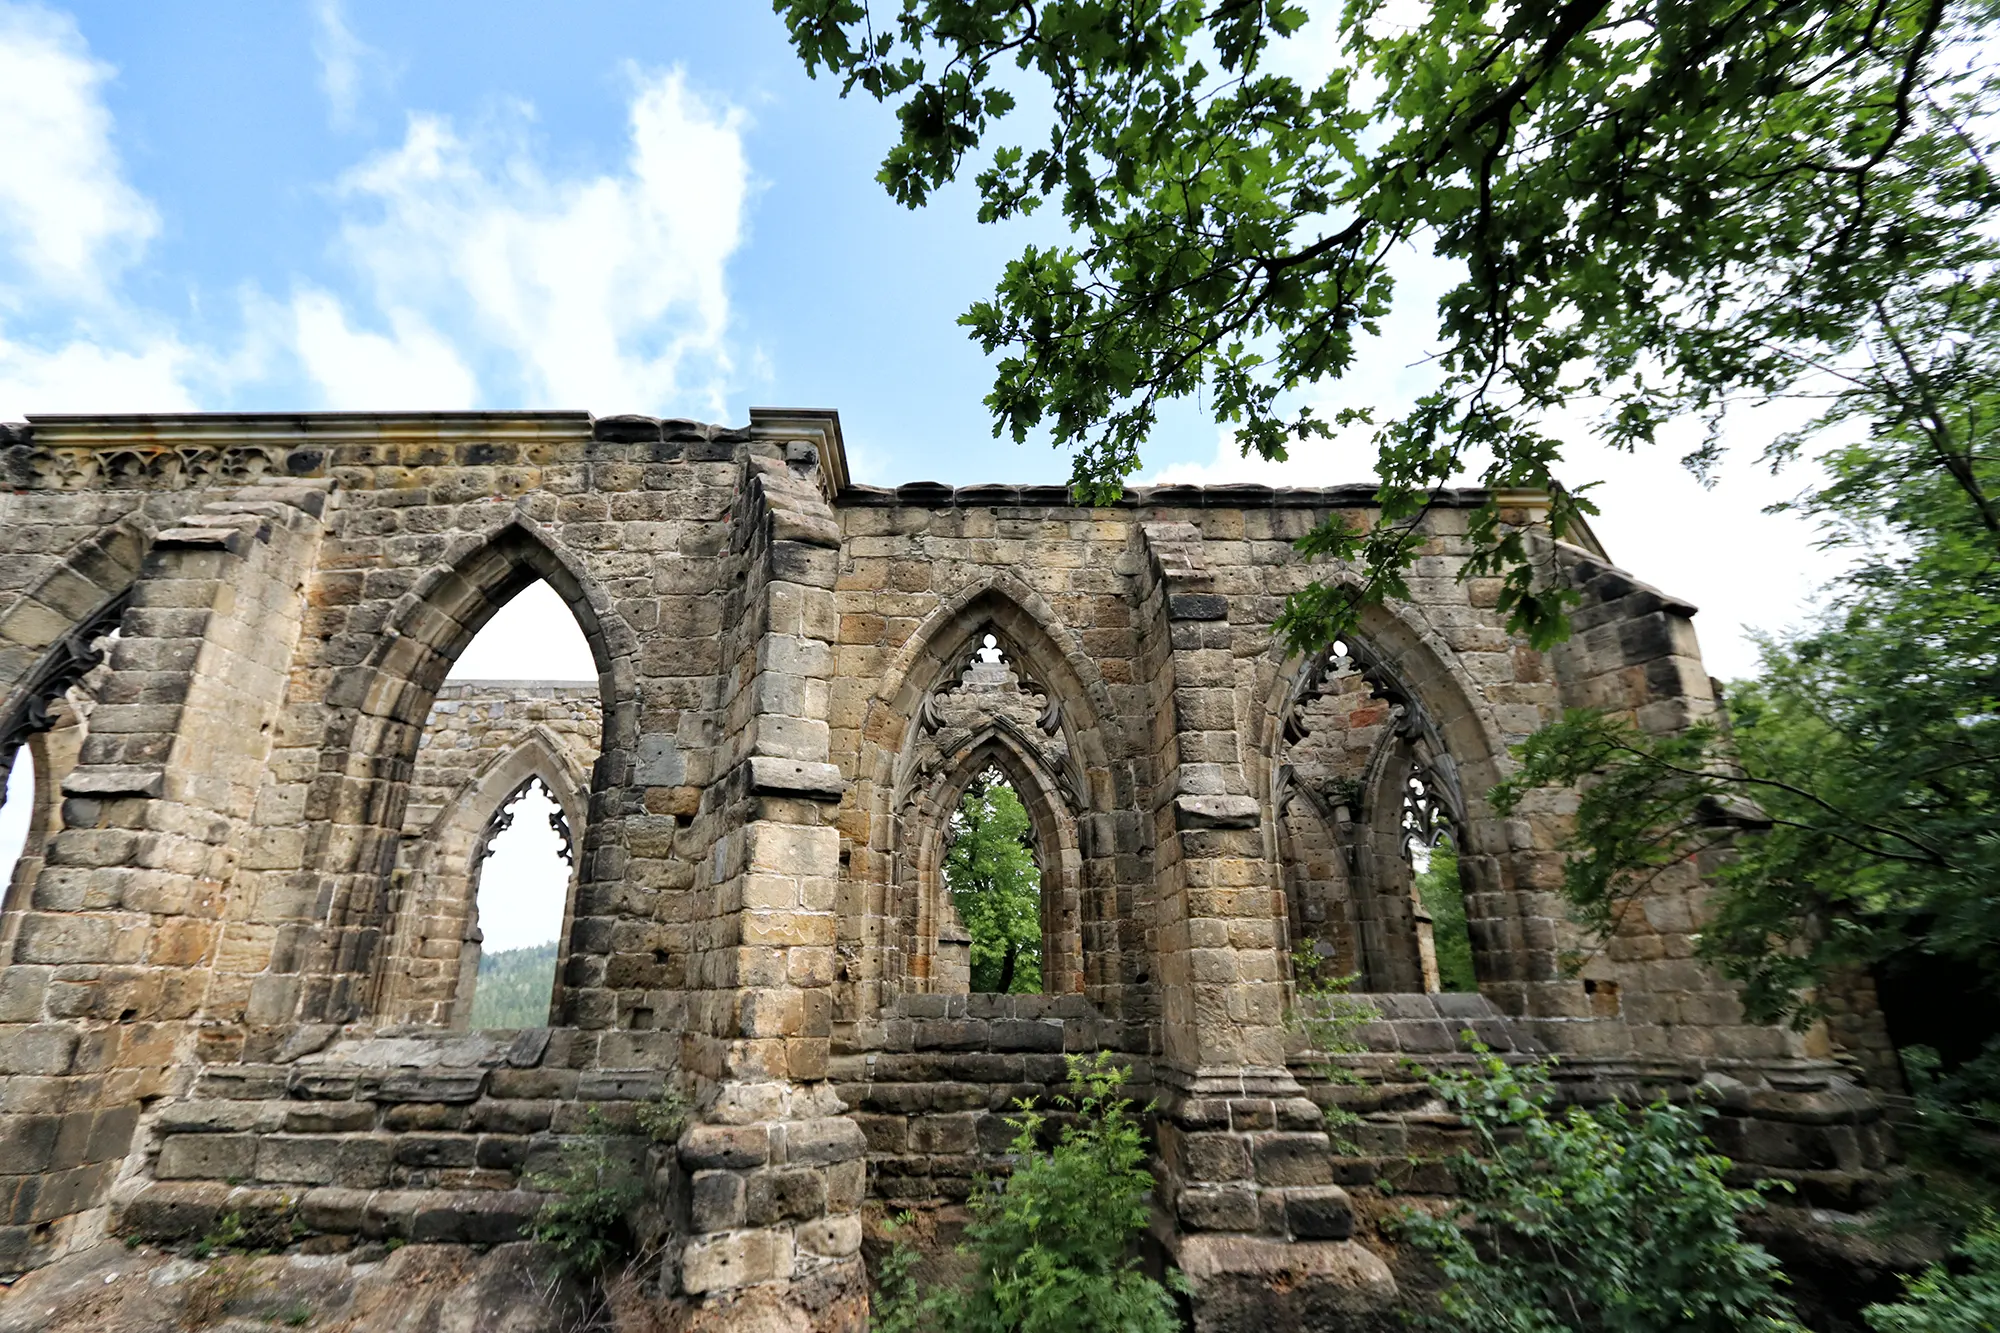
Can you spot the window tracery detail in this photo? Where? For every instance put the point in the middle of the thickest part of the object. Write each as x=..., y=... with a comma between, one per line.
x=503, y=819
x=991, y=691
x=67, y=665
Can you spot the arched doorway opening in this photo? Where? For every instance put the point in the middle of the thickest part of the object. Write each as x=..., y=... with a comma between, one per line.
x=990, y=753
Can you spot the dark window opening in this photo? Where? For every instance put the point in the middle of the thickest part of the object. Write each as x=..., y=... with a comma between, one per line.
x=996, y=885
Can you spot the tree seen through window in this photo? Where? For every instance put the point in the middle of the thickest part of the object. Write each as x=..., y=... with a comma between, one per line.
x=1439, y=890
x=997, y=887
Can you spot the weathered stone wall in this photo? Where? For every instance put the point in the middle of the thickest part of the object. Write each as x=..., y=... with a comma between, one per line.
x=246, y=936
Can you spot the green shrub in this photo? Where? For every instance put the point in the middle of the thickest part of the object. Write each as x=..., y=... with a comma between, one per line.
x=1612, y=1220
x=665, y=1116
x=1052, y=1244
x=1941, y=1301
x=584, y=1217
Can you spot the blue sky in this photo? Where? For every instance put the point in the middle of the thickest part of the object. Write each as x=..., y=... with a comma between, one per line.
x=641, y=206
x=625, y=205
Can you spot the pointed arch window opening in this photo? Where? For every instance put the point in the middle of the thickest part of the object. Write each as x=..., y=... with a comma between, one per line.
x=516, y=939
x=993, y=873
x=497, y=882
x=1428, y=809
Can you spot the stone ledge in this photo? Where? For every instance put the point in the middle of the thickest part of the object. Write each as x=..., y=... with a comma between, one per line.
x=931, y=494
x=114, y=780
x=176, y=1210
x=1217, y=812
x=792, y=777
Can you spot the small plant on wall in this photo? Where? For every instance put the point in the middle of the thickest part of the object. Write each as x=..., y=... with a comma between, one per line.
x=1053, y=1245
x=590, y=1195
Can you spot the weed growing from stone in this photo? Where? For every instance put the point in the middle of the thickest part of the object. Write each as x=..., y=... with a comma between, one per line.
x=665, y=1116
x=584, y=1218
x=227, y=1234
x=1054, y=1242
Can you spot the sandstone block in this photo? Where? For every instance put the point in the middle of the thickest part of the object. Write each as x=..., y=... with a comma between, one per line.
x=716, y=1202
x=730, y=1147
x=736, y=1259
x=207, y=1157
x=1293, y=1159
x=831, y=1237
x=1320, y=1212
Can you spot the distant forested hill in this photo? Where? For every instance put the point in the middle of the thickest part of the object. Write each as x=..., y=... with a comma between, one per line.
x=514, y=987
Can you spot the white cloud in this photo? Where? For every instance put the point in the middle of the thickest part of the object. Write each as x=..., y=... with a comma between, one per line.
x=70, y=226
x=69, y=222
x=148, y=375
x=343, y=61
x=484, y=277
x=360, y=371
x=604, y=291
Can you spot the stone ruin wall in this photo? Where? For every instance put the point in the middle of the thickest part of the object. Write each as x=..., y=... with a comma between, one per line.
x=236, y=950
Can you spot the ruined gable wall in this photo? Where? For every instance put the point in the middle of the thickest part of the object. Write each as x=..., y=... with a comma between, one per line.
x=781, y=661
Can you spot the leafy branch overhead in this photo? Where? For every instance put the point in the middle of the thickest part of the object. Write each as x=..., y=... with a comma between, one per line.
x=1649, y=210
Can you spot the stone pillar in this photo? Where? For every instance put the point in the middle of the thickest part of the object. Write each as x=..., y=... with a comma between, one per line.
x=1260, y=1226
x=776, y=1168
x=113, y=963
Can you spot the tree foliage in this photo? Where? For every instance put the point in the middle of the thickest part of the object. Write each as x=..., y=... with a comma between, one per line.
x=1650, y=209
x=997, y=888
x=1613, y=1220
x=513, y=987
x=1939, y=1300
x=1442, y=895
x=1053, y=1245
x=1858, y=792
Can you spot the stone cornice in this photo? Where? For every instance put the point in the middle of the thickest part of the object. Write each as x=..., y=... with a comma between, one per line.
x=818, y=426
x=294, y=428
